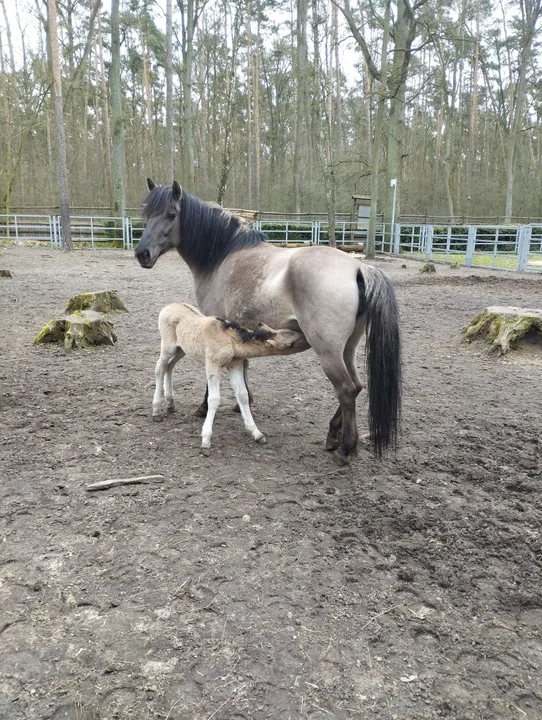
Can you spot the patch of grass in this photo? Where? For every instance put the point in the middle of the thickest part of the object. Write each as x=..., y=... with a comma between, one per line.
x=500, y=262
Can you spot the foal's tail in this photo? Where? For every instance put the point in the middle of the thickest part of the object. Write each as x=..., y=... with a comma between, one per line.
x=378, y=305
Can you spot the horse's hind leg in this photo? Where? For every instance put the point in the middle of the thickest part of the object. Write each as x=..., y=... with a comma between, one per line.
x=237, y=380
x=336, y=370
x=334, y=435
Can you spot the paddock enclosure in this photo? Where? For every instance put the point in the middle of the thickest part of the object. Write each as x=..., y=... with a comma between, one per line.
x=264, y=582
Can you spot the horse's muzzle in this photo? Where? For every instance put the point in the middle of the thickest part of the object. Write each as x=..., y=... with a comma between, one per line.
x=144, y=258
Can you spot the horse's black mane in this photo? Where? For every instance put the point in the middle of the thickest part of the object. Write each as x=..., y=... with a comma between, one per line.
x=244, y=334
x=208, y=234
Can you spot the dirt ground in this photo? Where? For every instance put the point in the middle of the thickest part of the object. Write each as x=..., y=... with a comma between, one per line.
x=263, y=582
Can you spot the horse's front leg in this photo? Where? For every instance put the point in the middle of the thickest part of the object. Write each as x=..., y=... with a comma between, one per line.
x=237, y=380
x=213, y=401
x=201, y=410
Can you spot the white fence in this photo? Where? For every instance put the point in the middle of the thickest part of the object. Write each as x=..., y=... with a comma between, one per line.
x=514, y=247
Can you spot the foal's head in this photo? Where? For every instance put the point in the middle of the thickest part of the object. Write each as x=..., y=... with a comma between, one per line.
x=161, y=209
x=284, y=341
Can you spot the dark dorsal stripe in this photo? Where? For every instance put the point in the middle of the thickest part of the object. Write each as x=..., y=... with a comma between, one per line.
x=208, y=234
x=246, y=335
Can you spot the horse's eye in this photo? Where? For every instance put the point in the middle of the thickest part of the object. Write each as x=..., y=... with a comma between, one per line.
x=171, y=216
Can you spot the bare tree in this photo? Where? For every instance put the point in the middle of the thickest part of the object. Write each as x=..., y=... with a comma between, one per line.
x=119, y=201
x=61, y=130
x=531, y=12
x=170, y=160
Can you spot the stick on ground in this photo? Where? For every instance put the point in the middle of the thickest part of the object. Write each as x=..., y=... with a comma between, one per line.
x=142, y=480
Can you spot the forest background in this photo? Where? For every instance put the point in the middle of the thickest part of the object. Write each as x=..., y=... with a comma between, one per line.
x=273, y=105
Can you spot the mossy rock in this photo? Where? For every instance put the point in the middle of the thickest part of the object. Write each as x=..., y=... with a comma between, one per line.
x=5, y=273
x=503, y=328
x=428, y=267
x=80, y=330
x=106, y=301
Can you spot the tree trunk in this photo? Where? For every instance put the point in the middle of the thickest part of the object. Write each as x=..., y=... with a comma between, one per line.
x=301, y=98
x=532, y=10
x=105, y=115
x=170, y=160
x=376, y=147
x=118, y=171
x=61, y=130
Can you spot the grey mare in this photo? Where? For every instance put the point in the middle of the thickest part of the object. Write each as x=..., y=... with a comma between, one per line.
x=329, y=296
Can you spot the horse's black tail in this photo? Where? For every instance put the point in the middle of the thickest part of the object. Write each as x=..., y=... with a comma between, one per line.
x=378, y=304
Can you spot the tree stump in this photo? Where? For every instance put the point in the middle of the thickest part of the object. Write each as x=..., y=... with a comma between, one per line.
x=352, y=248
x=504, y=328
x=106, y=301
x=428, y=267
x=79, y=330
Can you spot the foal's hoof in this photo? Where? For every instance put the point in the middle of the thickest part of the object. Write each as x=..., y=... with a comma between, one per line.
x=261, y=440
x=157, y=418
x=340, y=459
x=205, y=451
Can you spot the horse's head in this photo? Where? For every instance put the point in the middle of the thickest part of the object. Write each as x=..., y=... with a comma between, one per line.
x=161, y=209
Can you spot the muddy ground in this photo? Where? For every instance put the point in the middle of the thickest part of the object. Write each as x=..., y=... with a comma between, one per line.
x=263, y=582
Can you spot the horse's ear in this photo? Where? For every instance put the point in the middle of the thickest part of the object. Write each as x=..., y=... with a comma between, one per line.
x=150, y=185
x=177, y=190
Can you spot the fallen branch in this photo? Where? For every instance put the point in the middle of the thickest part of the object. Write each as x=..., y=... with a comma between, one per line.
x=142, y=480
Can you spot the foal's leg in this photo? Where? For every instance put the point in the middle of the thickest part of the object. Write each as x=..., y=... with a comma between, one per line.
x=213, y=387
x=168, y=380
x=237, y=407
x=167, y=352
x=237, y=381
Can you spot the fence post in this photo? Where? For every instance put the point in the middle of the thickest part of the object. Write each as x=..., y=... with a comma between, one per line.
x=315, y=232
x=524, y=245
x=429, y=242
x=397, y=238
x=16, y=230
x=471, y=242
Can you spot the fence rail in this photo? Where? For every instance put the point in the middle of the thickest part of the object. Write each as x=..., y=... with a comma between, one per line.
x=503, y=247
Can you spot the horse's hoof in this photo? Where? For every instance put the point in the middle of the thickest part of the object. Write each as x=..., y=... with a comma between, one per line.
x=236, y=408
x=340, y=459
x=171, y=408
x=261, y=440
x=157, y=418
x=201, y=411
x=332, y=443
x=205, y=451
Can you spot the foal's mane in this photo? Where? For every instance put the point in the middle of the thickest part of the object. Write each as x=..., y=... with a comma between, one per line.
x=208, y=233
x=244, y=334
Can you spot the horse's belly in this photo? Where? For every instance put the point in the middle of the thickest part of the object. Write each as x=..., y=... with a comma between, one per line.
x=249, y=293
